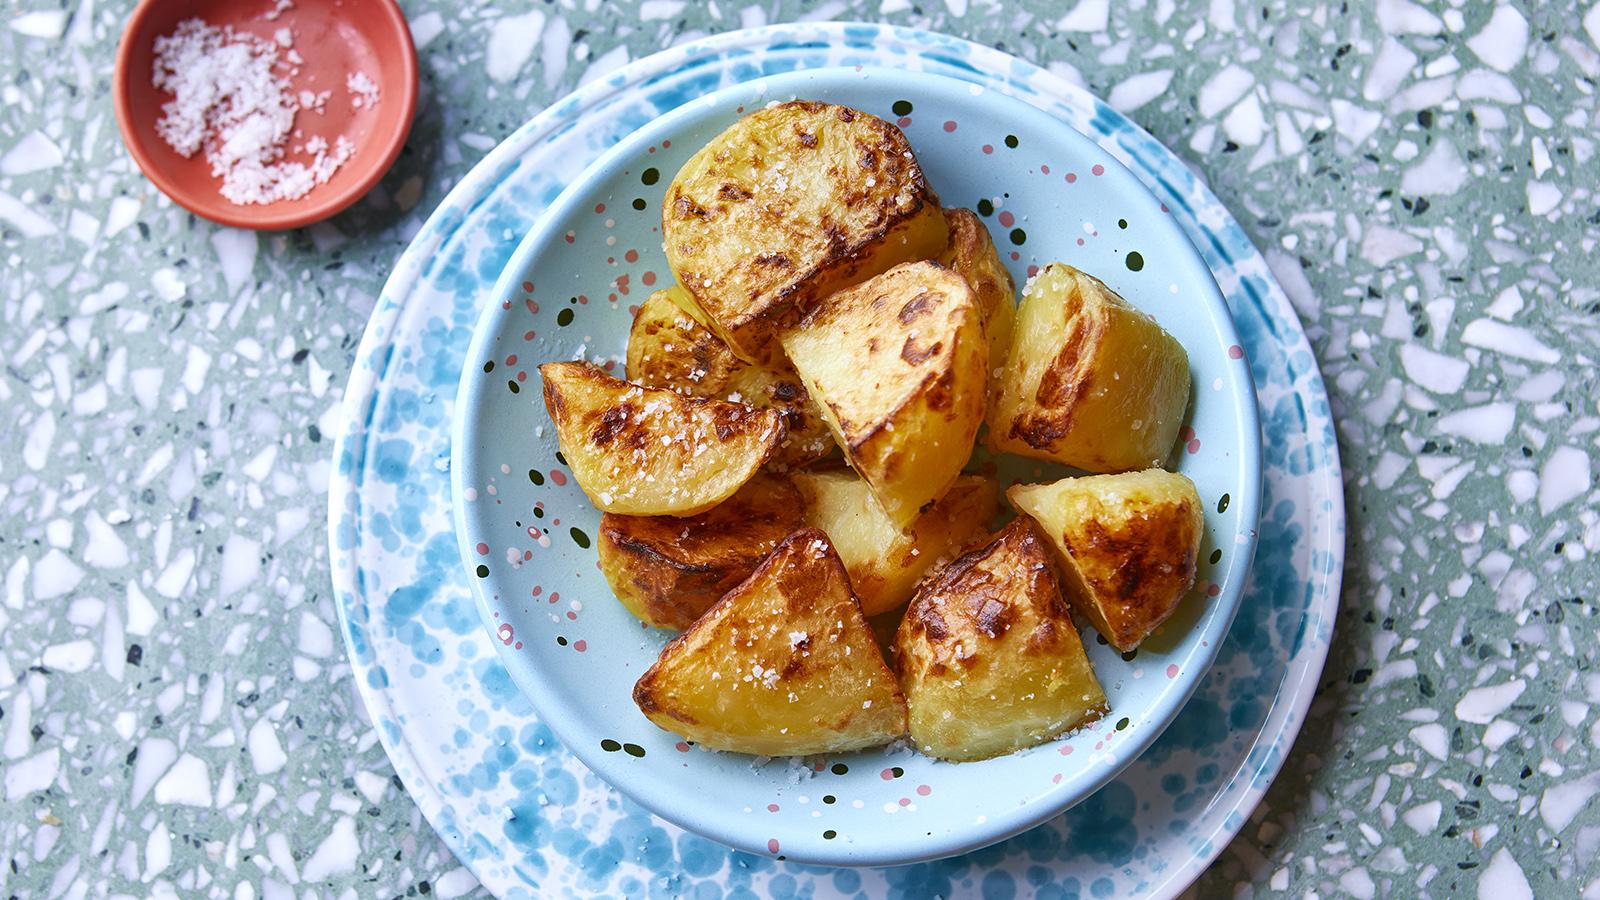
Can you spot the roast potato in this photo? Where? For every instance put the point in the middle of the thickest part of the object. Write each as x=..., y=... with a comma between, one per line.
x=668, y=570
x=645, y=451
x=784, y=665
x=971, y=253
x=669, y=348
x=898, y=366
x=1126, y=545
x=788, y=205
x=885, y=563
x=1090, y=381
x=988, y=656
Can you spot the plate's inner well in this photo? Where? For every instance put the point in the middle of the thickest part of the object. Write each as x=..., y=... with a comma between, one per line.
x=1045, y=194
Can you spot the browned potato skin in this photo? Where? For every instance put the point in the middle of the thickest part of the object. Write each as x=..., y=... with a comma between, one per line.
x=988, y=657
x=669, y=348
x=1126, y=545
x=1090, y=381
x=644, y=451
x=668, y=570
x=973, y=256
x=784, y=665
x=886, y=562
x=788, y=205
x=897, y=366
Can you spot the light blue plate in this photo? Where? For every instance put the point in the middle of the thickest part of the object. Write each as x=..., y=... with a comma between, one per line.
x=526, y=529
x=528, y=818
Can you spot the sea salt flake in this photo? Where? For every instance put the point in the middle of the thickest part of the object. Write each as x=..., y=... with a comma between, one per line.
x=229, y=103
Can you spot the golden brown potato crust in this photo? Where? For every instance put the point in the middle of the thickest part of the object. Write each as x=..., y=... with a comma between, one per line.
x=988, y=657
x=644, y=451
x=973, y=256
x=668, y=570
x=788, y=205
x=669, y=348
x=1127, y=545
x=784, y=665
x=1090, y=381
x=885, y=562
x=897, y=365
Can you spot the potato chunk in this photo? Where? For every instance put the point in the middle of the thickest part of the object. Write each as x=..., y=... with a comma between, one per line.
x=643, y=451
x=1090, y=381
x=885, y=563
x=972, y=255
x=897, y=365
x=669, y=348
x=988, y=656
x=668, y=570
x=1126, y=545
x=788, y=205
x=784, y=665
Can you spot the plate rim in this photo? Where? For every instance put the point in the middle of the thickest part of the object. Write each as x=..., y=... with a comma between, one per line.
x=799, y=844
x=1282, y=721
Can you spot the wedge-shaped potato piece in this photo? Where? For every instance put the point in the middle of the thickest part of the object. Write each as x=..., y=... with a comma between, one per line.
x=643, y=451
x=897, y=365
x=784, y=665
x=1126, y=545
x=668, y=570
x=1090, y=381
x=988, y=656
x=669, y=348
x=788, y=205
x=972, y=255
x=885, y=562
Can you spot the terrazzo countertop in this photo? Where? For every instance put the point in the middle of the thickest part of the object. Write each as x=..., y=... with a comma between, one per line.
x=178, y=714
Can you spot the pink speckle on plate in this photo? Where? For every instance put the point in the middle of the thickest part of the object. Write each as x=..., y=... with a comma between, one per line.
x=772, y=845
x=1098, y=169
x=950, y=126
